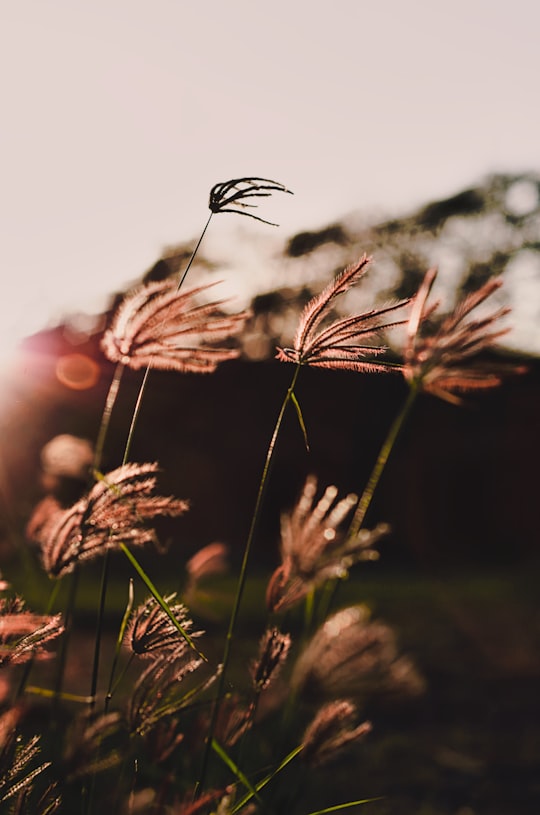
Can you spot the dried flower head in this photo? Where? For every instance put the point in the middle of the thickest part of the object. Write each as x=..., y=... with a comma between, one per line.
x=273, y=650
x=331, y=731
x=440, y=362
x=349, y=656
x=210, y=560
x=159, y=692
x=151, y=632
x=17, y=775
x=159, y=325
x=233, y=720
x=114, y=511
x=230, y=196
x=24, y=635
x=312, y=548
x=342, y=344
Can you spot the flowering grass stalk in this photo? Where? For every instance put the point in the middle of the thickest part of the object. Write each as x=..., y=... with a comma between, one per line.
x=179, y=710
x=149, y=331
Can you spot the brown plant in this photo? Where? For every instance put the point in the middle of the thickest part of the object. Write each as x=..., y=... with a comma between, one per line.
x=114, y=511
x=273, y=650
x=442, y=361
x=151, y=632
x=342, y=344
x=350, y=656
x=331, y=731
x=24, y=635
x=159, y=692
x=159, y=326
x=312, y=548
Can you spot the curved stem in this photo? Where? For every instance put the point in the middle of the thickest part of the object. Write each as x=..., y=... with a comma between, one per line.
x=242, y=577
x=107, y=412
x=137, y=409
x=135, y=415
x=382, y=458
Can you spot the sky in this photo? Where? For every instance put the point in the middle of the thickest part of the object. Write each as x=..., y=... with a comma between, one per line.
x=118, y=116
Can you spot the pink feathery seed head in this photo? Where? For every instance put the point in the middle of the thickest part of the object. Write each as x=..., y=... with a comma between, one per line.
x=151, y=632
x=342, y=344
x=114, y=511
x=442, y=361
x=313, y=548
x=162, y=326
x=23, y=634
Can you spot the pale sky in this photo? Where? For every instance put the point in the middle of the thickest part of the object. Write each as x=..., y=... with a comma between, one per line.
x=119, y=115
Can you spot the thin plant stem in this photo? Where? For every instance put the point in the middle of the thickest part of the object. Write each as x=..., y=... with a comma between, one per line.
x=367, y=496
x=106, y=416
x=242, y=578
x=382, y=458
x=109, y=404
x=119, y=640
x=68, y=619
x=99, y=629
x=135, y=415
x=192, y=258
x=142, y=388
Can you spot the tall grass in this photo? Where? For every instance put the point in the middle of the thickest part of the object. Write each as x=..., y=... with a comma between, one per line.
x=179, y=727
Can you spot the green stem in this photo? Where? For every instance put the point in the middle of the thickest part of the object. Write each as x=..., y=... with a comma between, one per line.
x=242, y=577
x=119, y=641
x=384, y=453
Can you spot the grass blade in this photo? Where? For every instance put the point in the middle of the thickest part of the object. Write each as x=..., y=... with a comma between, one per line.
x=261, y=784
x=160, y=599
x=339, y=807
x=296, y=404
x=235, y=769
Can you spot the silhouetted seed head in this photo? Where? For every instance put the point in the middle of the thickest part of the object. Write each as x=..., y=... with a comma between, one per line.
x=332, y=731
x=352, y=657
x=312, y=548
x=236, y=195
x=273, y=650
x=159, y=325
x=441, y=361
x=151, y=632
x=114, y=511
x=342, y=344
x=24, y=635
